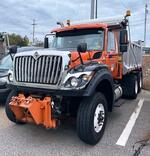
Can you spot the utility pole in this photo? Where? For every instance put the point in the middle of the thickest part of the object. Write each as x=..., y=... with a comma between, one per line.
x=33, y=33
x=93, y=9
x=145, y=23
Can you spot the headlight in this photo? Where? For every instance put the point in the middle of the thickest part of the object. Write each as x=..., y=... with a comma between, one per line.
x=74, y=81
x=86, y=77
x=77, y=80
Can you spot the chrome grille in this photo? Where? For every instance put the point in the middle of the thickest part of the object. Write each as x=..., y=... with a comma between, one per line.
x=44, y=70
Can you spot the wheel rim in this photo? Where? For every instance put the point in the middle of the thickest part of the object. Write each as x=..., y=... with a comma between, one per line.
x=136, y=87
x=99, y=117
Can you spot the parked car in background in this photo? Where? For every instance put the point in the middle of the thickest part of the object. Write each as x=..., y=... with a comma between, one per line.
x=6, y=64
x=5, y=70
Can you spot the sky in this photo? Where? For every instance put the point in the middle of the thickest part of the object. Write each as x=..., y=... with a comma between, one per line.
x=16, y=16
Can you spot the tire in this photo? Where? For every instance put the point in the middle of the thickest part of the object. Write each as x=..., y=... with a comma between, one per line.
x=87, y=118
x=130, y=86
x=140, y=81
x=8, y=111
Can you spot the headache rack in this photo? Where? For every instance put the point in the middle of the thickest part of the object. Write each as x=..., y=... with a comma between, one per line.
x=113, y=21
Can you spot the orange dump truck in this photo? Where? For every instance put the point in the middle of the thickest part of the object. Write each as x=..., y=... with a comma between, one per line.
x=88, y=66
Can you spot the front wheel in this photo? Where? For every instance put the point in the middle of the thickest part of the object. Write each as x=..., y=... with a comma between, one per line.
x=92, y=118
x=8, y=110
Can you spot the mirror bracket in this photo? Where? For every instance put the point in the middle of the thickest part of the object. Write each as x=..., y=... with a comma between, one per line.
x=12, y=50
x=81, y=48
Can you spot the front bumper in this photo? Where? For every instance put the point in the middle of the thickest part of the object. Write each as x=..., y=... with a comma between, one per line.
x=50, y=92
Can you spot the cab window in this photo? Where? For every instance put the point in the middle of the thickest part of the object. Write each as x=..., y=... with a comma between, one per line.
x=111, y=41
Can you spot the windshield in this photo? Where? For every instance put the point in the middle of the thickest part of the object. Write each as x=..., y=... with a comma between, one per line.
x=6, y=62
x=70, y=39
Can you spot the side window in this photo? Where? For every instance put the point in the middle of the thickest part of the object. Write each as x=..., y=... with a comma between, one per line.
x=111, y=41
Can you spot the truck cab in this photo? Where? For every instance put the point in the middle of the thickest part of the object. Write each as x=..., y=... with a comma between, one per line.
x=103, y=44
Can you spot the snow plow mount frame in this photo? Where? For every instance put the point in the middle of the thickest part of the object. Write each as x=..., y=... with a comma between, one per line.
x=33, y=110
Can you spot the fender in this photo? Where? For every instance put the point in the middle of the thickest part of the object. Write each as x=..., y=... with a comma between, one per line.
x=101, y=75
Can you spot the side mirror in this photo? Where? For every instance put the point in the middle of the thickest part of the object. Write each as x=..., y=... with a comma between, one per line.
x=123, y=36
x=1, y=39
x=123, y=40
x=13, y=50
x=46, y=43
x=82, y=48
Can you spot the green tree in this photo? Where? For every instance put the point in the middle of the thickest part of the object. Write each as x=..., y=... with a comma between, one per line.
x=18, y=40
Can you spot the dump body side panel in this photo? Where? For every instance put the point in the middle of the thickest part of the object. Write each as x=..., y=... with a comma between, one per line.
x=132, y=59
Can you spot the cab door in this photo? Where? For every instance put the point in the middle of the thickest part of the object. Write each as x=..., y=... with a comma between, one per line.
x=112, y=58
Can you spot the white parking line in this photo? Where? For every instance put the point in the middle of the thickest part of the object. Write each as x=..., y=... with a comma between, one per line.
x=127, y=130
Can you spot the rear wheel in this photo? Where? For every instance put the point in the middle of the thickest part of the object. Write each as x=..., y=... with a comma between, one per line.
x=8, y=110
x=92, y=118
x=130, y=86
x=140, y=81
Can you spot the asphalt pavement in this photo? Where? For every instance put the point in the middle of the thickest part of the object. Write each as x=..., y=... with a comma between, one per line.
x=32, y=140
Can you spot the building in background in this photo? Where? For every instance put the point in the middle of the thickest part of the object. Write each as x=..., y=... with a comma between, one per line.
x=146, y=50
x=4, y=43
